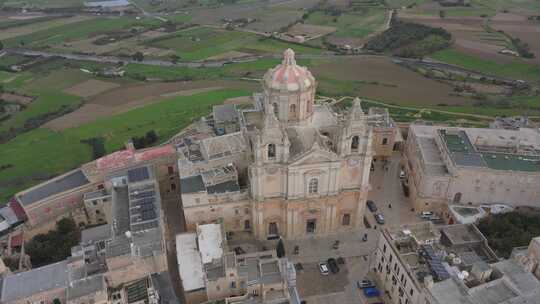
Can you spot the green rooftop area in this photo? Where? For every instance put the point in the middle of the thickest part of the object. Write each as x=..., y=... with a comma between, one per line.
x=463, y=153
x=500, y=161
x=458, y=142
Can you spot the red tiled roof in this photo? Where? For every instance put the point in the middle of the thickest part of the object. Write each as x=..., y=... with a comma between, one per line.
x=16, y=240
x=115, y=160
x=17, y=209
x=154, y=153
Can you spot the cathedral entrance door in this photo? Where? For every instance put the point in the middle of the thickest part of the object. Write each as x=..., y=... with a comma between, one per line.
x=273, y=231
x=311, y=225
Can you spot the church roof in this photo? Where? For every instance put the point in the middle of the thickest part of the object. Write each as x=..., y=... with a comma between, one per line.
x=288, y=76
x=303, y=138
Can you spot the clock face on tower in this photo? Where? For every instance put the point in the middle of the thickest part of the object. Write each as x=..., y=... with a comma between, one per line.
x=353, y=162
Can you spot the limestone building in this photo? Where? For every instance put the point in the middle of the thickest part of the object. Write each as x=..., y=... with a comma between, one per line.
x=423, y=264
x=472, y=166
x=294, y=169
x=211, y=272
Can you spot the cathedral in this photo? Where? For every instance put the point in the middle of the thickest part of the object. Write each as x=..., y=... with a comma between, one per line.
x=285, y=167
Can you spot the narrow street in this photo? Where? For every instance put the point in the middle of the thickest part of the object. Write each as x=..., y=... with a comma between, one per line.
x=387, y=193
x=174, y=223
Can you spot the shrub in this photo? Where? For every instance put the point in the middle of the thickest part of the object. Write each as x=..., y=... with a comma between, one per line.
x=55, y=245
x=410, y=39
x=145, y=141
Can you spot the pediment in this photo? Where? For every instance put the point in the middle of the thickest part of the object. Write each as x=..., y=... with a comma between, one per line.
x=315, y=156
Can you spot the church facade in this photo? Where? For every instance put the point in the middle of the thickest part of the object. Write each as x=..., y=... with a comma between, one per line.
x=310, y=170
x=295, y=168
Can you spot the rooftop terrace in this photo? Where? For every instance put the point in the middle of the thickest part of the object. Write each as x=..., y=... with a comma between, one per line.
x=464, y=153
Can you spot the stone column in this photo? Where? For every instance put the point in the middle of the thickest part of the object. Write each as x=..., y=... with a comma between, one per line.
x=289, y=223
x=359, y=218
x=260, y=223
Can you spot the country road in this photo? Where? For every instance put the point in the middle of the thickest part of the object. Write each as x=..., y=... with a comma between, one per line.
x=167, y=63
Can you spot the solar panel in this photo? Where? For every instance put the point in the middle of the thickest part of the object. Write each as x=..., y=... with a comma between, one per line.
x=138, y=174
x=143, y=194
x=148, y=215
x=146, y=207
x=144, y=201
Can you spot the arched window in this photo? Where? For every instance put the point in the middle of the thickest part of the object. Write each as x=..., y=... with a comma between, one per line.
x=313, y=186
x=271, y=151
x=276, y=109
x=292, y=109
x=354, y=143
x=385, y=141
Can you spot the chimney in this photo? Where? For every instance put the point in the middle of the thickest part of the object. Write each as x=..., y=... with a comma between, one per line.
x=129, y=145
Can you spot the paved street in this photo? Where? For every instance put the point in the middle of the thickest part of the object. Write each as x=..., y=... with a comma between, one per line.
x=174, y=224
x=386, y=189
x=341, y=288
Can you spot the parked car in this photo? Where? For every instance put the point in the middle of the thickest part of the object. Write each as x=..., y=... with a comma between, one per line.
x=323, y=268
x=426, y=215
x=333, y=265
x=379, y=218
x=371, y=206
x=371, y=292
x=364, y=284
x=402, y=174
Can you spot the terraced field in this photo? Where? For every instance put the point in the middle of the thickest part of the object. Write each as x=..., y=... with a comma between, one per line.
x=204, y=42
x=352, y=27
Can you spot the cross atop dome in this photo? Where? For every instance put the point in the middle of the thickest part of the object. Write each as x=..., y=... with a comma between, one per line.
x=288, y=57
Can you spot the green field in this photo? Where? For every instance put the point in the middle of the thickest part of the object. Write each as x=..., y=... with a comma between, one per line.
x=42, y=3
x=403, y=3
x=354, y=24
x=520, y=5
x=78, y=31
x=254, y=70
x=46, y=83
x=41, y=153
x=517, y=69
x=203, y=42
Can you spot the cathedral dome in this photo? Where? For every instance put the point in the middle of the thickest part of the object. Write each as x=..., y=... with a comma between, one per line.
x=288, y=76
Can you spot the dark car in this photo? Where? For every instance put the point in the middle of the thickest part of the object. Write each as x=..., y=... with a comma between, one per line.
x=365, y=284
x=333, y=265
x=379, y=218
x=371, y=206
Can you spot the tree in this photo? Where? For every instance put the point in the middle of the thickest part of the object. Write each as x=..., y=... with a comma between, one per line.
x=280, y=249
x=442, y=14
x=145, y=141
x=151, y=137
x=1, y=46
x=55, y=245
x=138, y=56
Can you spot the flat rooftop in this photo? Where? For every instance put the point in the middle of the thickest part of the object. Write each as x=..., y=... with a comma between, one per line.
x=462, y=234
x=225, y=113
x=136, y=216
x=189, y=261
x=24, y=284
x=493, y=154
x=96, y=234
x=514, y=286
x=431, y=156
x=69, y=181
x=220, y=179
x=210, y=242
